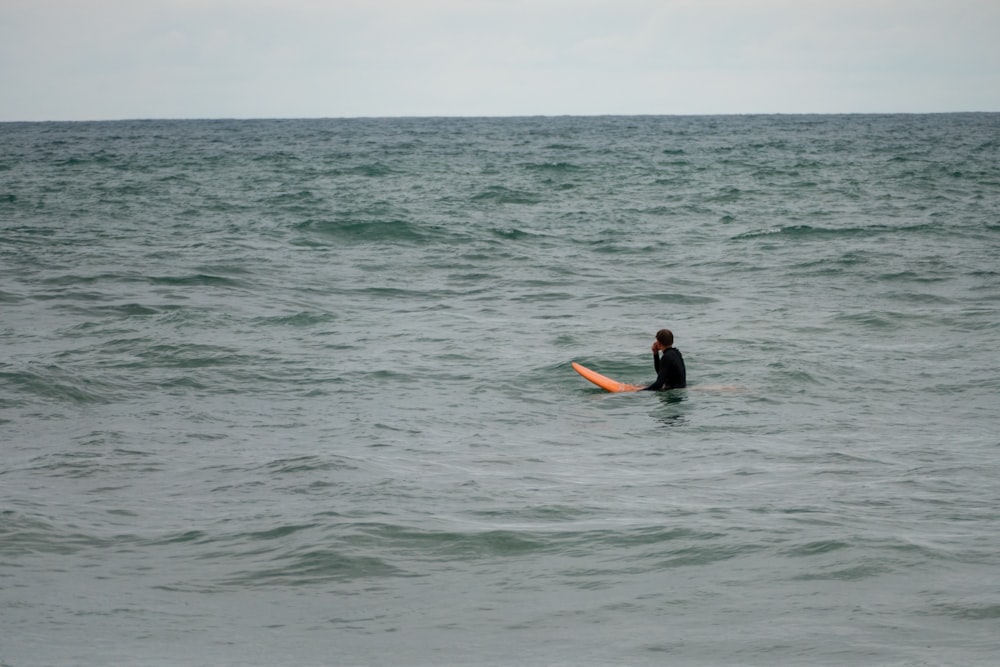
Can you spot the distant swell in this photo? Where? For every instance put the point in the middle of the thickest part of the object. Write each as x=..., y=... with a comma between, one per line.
x=389, y=231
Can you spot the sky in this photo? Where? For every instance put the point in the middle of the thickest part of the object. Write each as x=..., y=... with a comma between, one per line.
x=124, y=59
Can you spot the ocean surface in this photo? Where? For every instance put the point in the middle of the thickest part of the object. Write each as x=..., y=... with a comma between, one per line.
x=299, y=392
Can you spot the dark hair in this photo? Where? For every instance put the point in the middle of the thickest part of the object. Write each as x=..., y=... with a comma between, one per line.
x=666, y=337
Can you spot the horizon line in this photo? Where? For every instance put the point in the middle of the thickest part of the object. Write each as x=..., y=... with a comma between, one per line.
x=142, y=119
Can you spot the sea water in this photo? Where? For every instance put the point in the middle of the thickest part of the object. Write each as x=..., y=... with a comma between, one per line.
x=299, y=391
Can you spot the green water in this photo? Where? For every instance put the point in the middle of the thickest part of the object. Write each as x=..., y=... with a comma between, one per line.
x=281, y=392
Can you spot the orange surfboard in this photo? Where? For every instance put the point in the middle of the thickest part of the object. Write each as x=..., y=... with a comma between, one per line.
x=604, y=382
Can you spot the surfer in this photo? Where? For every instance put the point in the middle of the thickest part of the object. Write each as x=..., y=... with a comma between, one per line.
x=670, y=371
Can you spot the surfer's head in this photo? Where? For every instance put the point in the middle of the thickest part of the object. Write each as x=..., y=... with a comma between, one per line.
x=665, y=337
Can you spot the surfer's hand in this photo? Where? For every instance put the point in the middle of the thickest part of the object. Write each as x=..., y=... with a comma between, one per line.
x=656, y=346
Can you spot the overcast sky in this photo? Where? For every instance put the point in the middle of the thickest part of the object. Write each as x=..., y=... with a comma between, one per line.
x=114, y=59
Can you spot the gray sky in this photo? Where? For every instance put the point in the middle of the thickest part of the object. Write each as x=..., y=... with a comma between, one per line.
x=113, y=59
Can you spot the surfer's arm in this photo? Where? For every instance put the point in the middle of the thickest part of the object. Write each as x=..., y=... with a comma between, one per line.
x=660, y=382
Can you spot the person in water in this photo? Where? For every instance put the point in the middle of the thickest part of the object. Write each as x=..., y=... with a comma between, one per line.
x=670, y=371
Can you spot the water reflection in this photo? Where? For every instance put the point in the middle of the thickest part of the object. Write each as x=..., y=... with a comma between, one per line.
x=670, y=412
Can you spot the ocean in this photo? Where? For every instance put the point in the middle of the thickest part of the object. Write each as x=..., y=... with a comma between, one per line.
x=299, y=392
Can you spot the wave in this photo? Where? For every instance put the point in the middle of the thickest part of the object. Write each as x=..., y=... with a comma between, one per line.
x=302, y=200
x=306, y=464
x=516, y=234
x=278, y=157
x=52, y=382
x=502, y=195
x=311, y=566
x=374, y=231
x=672, y=298
x=96, y=461
x=23, y=535
x=304, y=319
x=373, y=170
x=195, y=280
x=553, y=167
x=129, y=310
x=810, y=231
x=9, y=298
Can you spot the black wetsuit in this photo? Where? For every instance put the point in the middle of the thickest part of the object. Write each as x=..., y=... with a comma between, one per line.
x=670, y=371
